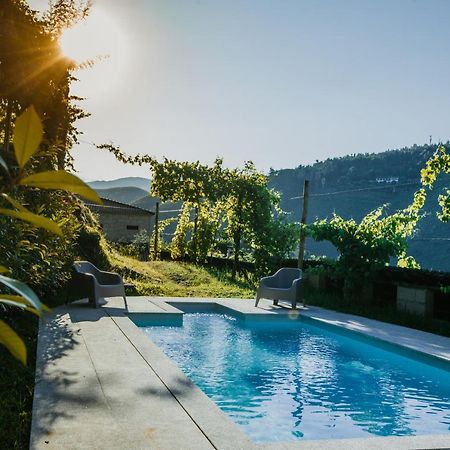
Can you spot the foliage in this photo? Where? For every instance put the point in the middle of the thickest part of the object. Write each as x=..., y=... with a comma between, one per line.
x=234, y=203
x=91, y=246
x=278, y=240
x=27, y=137
x=17, y=383
x=42, y=78
x=368, y=246
x=42, y=263
x=141, y=243
x=160, y=243
x=437, y=164
x=33, y=155
x=217, y=203
x=178, y=244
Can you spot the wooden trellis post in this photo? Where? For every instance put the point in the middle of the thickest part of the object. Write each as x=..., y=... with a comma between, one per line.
x=301, y=246
x=156, y=233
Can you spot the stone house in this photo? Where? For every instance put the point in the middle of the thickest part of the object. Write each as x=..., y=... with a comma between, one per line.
x=121, y=222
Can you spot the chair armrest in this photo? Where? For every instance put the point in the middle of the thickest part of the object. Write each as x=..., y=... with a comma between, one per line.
x=267, y=281
x=109, y=278
x=83, y=280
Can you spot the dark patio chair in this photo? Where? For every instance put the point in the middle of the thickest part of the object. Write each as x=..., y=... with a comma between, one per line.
x=96, y=283
x=286, y=284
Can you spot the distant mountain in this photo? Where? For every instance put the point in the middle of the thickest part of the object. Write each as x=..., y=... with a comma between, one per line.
x=138, y=182
x=136, y=197
x=146, y=202
x=126, y=195
x=354, y=185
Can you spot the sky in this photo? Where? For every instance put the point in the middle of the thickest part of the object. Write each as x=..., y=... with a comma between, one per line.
x=280, y=82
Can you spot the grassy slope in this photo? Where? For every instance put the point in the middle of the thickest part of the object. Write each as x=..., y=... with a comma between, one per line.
x=177, y=279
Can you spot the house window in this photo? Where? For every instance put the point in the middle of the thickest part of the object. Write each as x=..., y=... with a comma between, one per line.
x=132, y=227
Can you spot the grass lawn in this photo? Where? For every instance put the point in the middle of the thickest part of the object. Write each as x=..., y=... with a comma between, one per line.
x=178, y=279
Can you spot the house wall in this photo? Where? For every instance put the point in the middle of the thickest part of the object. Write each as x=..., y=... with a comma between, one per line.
x=115, y=224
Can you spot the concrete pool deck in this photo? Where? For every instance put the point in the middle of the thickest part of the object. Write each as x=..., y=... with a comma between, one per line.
x=102, y=384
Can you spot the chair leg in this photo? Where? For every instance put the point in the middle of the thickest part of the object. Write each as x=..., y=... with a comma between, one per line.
x=257, y=299
x=125, y=301
x=275, y=302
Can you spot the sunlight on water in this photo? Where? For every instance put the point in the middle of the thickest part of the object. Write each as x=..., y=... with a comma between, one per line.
x=300, y=382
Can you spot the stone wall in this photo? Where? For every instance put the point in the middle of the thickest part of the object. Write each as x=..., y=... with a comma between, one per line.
x=121, y=226
x=415, y=300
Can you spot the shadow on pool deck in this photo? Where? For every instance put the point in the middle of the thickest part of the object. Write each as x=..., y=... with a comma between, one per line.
x=179, y=387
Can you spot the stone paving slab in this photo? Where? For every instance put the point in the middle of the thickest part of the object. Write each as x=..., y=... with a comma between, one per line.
x=94, y=391
x=421, y=341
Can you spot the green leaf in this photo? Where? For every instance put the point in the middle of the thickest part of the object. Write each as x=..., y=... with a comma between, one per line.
x=14, y=202
x=23, y=290
x=27, y=136
x=3, y=164
x=4, y=269
x=38, y=221
x=12, y=341
x=21, y=302
x=60, y=179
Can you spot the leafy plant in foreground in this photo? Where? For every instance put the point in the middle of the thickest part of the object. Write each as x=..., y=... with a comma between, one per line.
x=27, y=137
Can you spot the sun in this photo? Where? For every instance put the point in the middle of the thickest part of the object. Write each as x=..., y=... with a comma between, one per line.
x=100, y=38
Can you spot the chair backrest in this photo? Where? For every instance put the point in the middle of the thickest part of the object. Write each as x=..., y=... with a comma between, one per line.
x=286, y=275
x=85, y=267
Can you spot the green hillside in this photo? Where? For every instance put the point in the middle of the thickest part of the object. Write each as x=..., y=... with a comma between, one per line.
x=349, y=187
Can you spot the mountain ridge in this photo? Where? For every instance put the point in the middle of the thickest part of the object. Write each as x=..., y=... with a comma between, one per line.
x=137, y=182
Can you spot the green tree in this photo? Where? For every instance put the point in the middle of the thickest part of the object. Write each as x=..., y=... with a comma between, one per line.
x=199, y=187
x=368, y=246
x=27, y=137
x=438, y=164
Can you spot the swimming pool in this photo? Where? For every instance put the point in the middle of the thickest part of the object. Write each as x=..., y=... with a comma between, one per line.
x=289, y=380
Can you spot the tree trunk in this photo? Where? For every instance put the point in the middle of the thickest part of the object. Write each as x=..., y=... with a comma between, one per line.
x=237, y=249
x=237, y=238
x=194, y=237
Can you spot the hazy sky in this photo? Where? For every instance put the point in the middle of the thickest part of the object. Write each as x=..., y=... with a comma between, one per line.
x=280, y=82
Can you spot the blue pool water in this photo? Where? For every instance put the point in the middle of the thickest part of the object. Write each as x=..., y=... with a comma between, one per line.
x=284, y=382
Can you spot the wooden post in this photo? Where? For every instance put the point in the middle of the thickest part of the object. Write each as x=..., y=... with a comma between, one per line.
x=301, y=246
x=156, y=233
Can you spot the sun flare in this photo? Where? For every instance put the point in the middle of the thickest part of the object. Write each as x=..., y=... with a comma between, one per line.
x=100, y=38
